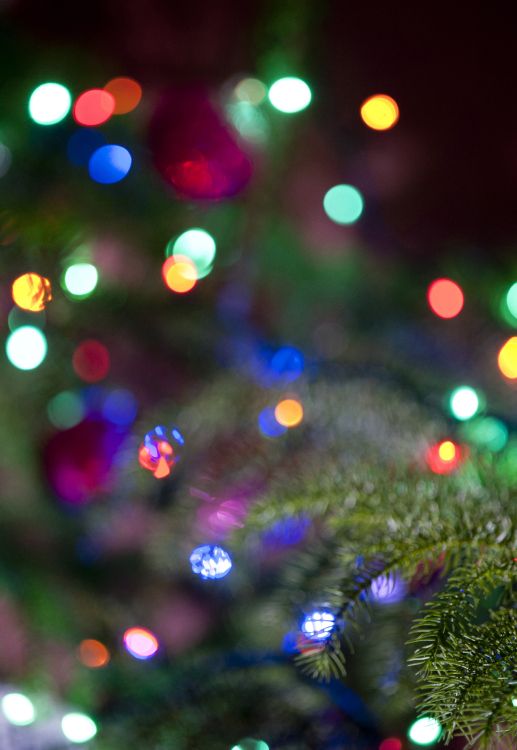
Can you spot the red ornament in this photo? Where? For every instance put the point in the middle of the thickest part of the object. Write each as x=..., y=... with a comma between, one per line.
x=193, y=148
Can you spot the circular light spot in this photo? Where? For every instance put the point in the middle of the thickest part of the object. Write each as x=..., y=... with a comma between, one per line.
x=250, y=90
x=507, y=358
x=444, y=457
x=210, y=561
x=109, y=164
x=82, y=144
x=93, y=654
x=179, y=274
x=391, y=743
x=18, y=709
x=447, y=450
x=197, y=245
x=290, y=95
x=126, y=93
x=78, y=727
x=268, y=424
x=464, y=403
x=248, y=743
x=486, y=433
x=31, y=292
x=511, y=300
x=120, y=407
x=380, y=112
x=343, y=204
x=289, y=412
x=140, y=643
x=425, y=731
x=445, y=298
x=65, y=410
x=80, y=279
x=26, y=347
x=49, y=103
x=318, y=625
x=91, y=361
x=287, y=364
x=93, y=107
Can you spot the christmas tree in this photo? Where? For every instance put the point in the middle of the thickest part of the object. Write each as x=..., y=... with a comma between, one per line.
x=257, y=396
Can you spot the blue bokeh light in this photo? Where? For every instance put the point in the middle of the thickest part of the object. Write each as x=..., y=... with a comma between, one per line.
x=210, y=562
x=287, y=364
x=268, y=424
x=319, y=624
x=120, y=407
x=109, y=164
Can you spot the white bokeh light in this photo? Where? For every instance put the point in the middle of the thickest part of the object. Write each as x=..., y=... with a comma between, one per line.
x=78, y=727
x=26, y=347
x=18, y=709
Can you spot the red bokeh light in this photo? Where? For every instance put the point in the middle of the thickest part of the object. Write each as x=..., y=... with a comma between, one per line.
x=391, y=743
x=93, y=107
x=445, y=298
x=91, y=361
x=160, y=463
x=444, y=457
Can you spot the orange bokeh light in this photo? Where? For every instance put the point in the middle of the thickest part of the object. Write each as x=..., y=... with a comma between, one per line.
x=179, y=274
x=444, y=457
x=445, y=298
x=31, y=292
x=161, y=463
x=126, y=92
x=289, y=412
x=380, y=112
x=93, y=107
x=507, y=358
x=93, y=654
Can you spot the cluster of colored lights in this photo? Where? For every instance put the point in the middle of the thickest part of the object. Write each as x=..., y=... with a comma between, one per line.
x=444, y=457
x=161, y=450
x=210, y=562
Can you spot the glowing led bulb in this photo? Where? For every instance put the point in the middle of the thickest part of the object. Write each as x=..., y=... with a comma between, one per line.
x=425, y=731
x=343, y=204
x=26, y=347
x=18, y=709
x=80, y=279
x=318, y=625
x=78, y=727
x=464, y=403
x=290, y=95
x=49, y=103
x=380, y=112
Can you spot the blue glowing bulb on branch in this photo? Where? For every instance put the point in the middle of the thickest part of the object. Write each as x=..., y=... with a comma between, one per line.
x=318, y=624
x=210, y=562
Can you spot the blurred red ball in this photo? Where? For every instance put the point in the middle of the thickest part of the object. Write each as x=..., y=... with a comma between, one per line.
x=193, y=148
x=91, y=361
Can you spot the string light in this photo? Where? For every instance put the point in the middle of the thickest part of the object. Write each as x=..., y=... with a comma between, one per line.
x=109, y=164
x=198, y=246
x=49, y=103
x=425, y=731
x=289, y=95
x=445, y=298
x=93, y=107
x=31, y=292
x=140, y=643
x=18, y=709
x=507, y=358
x=80, y=279
x=78, y=727
x=318, y=625
x=126, y=94
x=179, y=274
x=343, y=204
x=380, y=112
x=93, y=654
x=289, y=412
x=464, y=402
x=210, y=562
x=26, y=347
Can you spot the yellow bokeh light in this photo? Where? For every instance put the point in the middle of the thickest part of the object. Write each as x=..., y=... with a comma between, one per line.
x=447, y=450
x=179, y=274
x=380, y=112
x=507, y=358
x=289, y=412
x=31, y=292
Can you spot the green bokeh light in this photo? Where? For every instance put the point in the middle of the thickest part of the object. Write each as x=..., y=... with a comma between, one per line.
x=26, y=347
x=197, y=245
x=343, y=204
x=49, y=103
x=18, y=709
x=511, y=300
x=65, y=410
x=290, y=95
x=251, y=744
x=80, y=279
x=425, y=731
x=464, y=402
x=487, y=433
